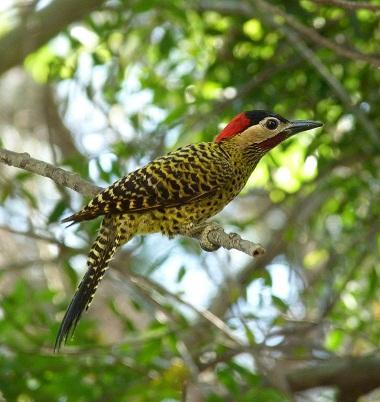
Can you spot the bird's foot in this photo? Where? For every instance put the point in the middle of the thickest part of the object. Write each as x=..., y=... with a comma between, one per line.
x=202, y=231
x=211, y=237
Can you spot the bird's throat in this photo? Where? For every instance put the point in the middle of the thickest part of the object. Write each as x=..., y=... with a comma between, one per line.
x=270, y=143
x=245, y=156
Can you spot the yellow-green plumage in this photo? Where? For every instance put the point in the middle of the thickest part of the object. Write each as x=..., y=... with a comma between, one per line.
x=184, y=187
x=172, y=195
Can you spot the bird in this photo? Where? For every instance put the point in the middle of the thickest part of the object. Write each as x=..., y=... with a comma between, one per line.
x=175, y=194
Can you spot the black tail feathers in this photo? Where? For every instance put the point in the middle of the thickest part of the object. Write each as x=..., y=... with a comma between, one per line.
x=84, y=215
x=100, y=254
x=80, y=302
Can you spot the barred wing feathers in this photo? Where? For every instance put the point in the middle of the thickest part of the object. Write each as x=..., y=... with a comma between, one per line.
x=186, y=175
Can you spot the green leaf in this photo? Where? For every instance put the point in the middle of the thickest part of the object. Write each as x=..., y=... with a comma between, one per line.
x=181, y=273
x=30, y=197
x=334, y=340
x=279, y=303
x=57, y=212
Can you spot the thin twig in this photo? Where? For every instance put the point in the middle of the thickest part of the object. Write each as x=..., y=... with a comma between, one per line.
x=31, y=234
x=336, y=86
x=207, y=315
x=19, y=266
x=314, y=36
x=40, y=27
x=246, y=10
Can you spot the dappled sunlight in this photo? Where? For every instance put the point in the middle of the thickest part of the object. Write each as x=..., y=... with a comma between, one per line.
x=93, y=90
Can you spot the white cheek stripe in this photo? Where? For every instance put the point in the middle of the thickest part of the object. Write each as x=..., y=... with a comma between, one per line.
x=256, y=134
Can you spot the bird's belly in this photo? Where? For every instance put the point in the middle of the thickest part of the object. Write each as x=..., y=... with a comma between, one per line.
x=176, y=220
x=173, y=220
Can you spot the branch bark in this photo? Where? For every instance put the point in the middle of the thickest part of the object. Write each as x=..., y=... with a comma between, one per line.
x=58, y=175
x=249, y=9
x=59, y=135
x=352, y=375
x=227, y=296
x=40, y=27
x=215, y=234
x=296, y=40
x=350, y=5
x=315, y=36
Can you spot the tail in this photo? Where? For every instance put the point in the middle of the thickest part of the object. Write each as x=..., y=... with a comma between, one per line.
x=99, y=205
x=100, y=254
x=85, y=214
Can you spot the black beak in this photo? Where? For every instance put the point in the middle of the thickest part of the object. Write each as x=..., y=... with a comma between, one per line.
x=302, y=125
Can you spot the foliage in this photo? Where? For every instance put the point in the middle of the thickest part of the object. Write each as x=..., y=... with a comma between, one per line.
x=134, y=80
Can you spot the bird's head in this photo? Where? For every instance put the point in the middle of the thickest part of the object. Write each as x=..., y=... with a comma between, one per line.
x=263, y=129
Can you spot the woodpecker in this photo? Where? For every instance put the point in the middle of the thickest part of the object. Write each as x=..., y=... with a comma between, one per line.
x=174, y=194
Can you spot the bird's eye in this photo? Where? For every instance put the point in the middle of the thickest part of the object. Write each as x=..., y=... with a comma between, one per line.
x=271, y=124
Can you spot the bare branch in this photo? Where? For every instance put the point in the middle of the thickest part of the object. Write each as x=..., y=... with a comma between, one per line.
x=310, y=33
x=225, y=7
x=206, y=315
x=19, y=266
x=336, y=86
x=31, y=234
x=226, y=296
x=214, y=234
x=59, y=135
x=314, y=36
x=363, y=374
x=58, y=175
x=350, y=5
x=40, y=27
x=72, y=180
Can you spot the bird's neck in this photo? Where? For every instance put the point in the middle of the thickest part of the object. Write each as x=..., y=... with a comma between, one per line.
x=245, y=155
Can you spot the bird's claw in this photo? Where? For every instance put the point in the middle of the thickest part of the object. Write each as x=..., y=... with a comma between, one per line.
x=204, y=241
x=234, y=237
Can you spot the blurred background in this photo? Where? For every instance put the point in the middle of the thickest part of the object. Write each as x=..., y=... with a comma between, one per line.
x=100, y=87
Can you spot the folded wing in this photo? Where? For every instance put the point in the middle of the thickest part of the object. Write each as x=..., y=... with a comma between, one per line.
x=184, y=176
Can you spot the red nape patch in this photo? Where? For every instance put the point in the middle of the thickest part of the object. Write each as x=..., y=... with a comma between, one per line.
x=238, y=124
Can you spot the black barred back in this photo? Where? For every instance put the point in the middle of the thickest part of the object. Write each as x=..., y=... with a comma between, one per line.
x=186, y=175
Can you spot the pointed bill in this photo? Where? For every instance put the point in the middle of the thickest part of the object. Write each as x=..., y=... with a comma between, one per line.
x=298, y=126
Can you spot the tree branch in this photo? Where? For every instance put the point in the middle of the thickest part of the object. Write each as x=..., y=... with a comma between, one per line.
x=40, y=27
x=314, y=36
x=350, y=5
x=248, y=9
x=296, y=40
x=226, y=296
x=59, y=135
x=150, y=285
x=30, y=234
x=354, y=375
x=58, y=175
x=215, y=234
